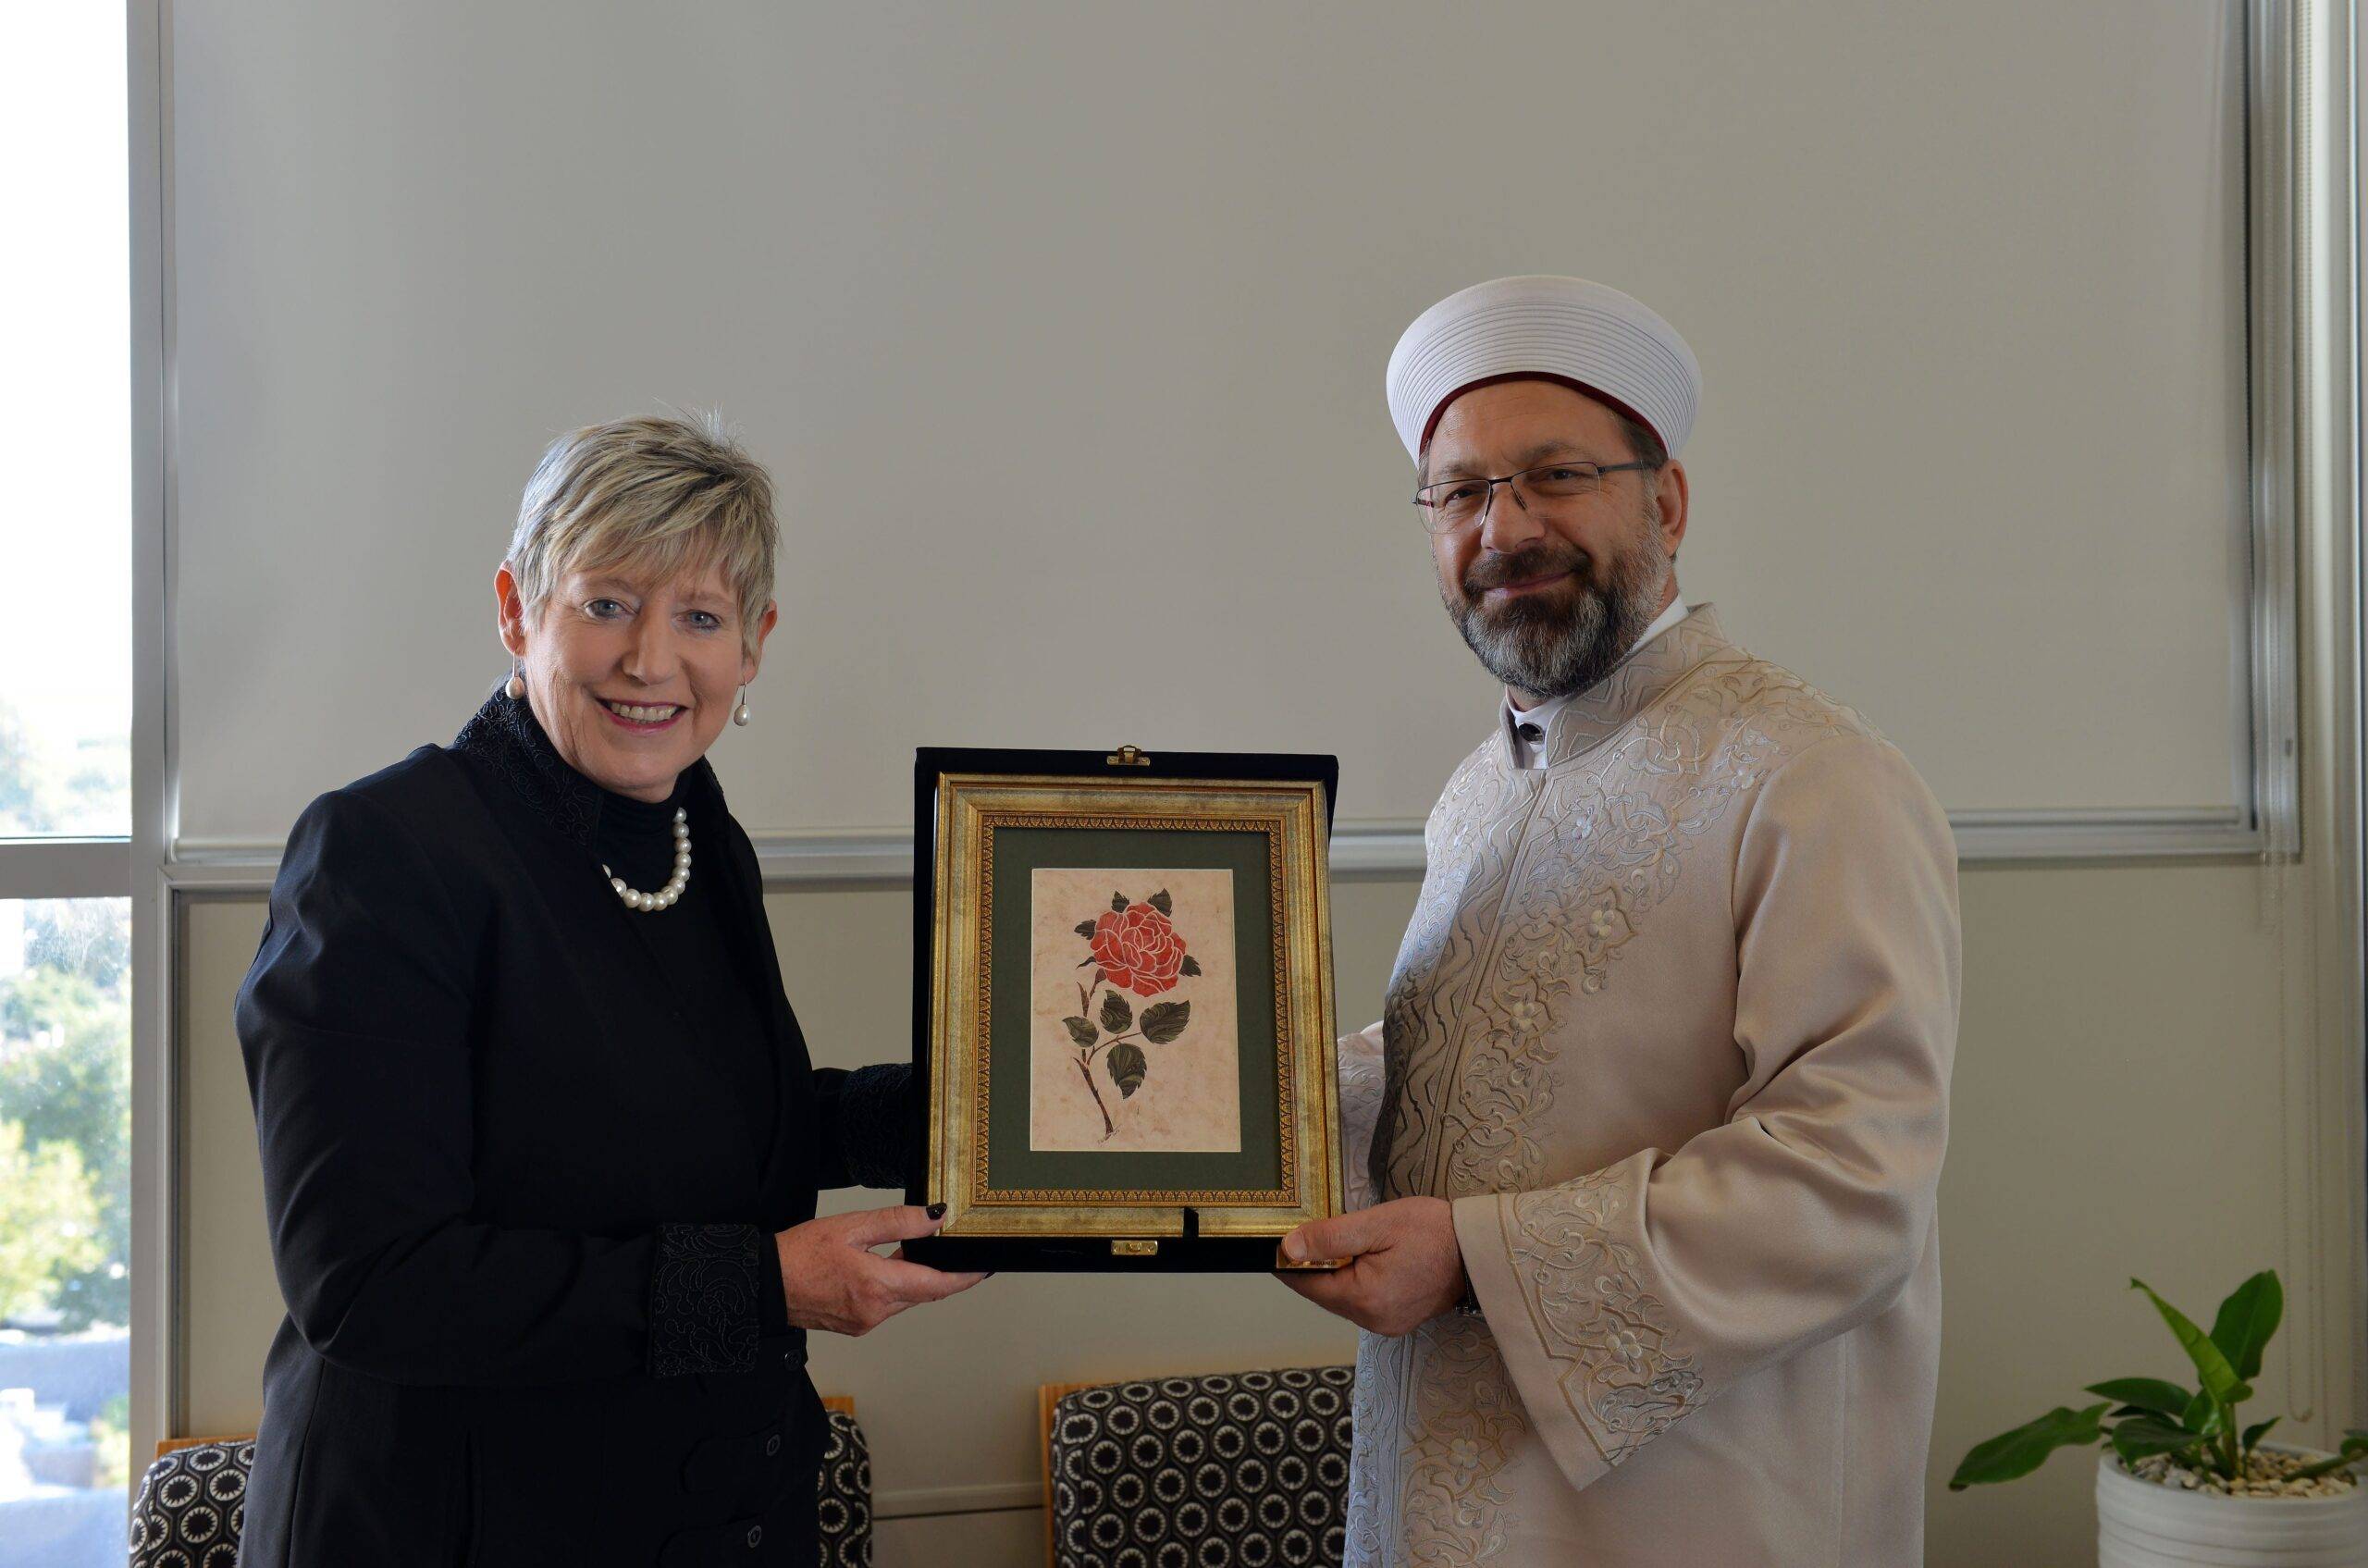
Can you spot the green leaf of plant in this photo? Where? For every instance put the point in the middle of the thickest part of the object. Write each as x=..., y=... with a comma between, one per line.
x=1086, y=928
x=2136, y=1439
x=1118, y=902
x=1161, y=902
x=2247, y=1319
x=2146, y=1393
x=1081, y=1031
x=2258, y=1430
x=1115, y=1014
x=2201, y=1414
x=2022, y=1450
x=1163, y=1022
x=1126, y=1065
x=1189, y=967
x=2220, y=1379
x=2354, y=1450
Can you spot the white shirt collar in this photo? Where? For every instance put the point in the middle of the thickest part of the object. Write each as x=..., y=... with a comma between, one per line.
x=1526, y=753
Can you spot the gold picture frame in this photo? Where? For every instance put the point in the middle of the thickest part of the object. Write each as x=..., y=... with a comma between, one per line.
x=1154, y=1183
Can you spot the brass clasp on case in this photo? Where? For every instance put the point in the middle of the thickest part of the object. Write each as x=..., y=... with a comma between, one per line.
x=1133, y=1247
x=1128, y=756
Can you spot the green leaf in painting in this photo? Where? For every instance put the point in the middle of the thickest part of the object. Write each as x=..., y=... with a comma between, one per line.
x=1086, y=928
x=2143, y=1436
x=1162, y=1021
x=2147, y=1393
x=1127, y=1064
x=2220, y=1379
x=1190, y=966
x=2022, y=1450
x=1115, y=1014
x=1081, y=1031
x=1118, y=902
x=2258, y=1430
x=2247, y=1319
x=1161, y=902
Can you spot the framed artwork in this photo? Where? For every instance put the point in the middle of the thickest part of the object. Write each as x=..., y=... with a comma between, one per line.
x=1123, y=1006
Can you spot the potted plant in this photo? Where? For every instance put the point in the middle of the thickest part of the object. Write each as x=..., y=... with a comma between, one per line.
x=2184, y=1481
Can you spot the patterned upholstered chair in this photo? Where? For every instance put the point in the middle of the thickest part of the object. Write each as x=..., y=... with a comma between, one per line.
x=845, y=1505
x=1231, y=1470
x=193, y=1504
x=192, y=1501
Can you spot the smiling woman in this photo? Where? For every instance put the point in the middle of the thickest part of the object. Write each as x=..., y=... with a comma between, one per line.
x=637, y=596
x=541, y=1171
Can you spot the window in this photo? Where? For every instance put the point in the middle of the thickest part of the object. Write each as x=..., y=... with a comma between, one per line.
x=66, y=689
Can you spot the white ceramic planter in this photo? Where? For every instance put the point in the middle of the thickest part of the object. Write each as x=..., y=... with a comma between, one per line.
x=2140, y=1525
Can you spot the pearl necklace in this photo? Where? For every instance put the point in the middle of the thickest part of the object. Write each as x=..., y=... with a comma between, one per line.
x=650, y=902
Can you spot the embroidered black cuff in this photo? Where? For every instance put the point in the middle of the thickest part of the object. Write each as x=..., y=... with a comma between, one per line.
x=876, y=1125
x=703, y=1299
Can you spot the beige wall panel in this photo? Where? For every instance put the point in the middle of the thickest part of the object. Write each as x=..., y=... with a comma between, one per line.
x=229, y=1298
x=1012, y=1539
x=2115, y=1114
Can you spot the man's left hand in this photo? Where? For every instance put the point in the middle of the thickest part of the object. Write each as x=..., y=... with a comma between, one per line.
x=1403, y=1269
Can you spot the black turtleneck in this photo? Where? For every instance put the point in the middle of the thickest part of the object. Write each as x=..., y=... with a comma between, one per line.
x=635, y=840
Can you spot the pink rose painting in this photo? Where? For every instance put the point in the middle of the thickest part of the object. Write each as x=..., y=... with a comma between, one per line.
x=1140, y=1066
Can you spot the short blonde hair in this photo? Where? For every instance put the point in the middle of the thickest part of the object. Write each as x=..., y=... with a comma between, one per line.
x=656, y=494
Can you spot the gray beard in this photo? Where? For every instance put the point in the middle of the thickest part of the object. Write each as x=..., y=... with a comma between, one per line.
x=1553, y=650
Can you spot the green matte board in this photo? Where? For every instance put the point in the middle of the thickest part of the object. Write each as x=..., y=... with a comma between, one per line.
x=1012, y=1166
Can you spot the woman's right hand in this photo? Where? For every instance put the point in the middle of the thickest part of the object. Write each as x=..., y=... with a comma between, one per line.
x=835, y=1282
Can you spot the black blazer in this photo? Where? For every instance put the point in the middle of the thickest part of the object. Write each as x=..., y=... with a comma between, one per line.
x=525, y=1238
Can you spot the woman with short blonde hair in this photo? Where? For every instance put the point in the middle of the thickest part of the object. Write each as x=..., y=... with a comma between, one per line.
x=541, y=1139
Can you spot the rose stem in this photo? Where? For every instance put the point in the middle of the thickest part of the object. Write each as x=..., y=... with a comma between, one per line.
x=1107, y=1127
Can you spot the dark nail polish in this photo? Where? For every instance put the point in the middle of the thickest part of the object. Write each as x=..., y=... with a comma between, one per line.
x=937, y=1211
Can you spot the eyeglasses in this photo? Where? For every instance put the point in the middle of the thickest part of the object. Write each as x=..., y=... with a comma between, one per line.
x=1453, y=504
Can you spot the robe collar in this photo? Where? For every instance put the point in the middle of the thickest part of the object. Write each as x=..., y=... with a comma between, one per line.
x=506, y=735
x=1586, y=719
x=1542, y=716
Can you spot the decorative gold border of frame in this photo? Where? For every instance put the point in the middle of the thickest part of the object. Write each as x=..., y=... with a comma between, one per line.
x=970, y=808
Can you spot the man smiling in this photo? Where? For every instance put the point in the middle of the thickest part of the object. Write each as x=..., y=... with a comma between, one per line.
x=1656, y=1110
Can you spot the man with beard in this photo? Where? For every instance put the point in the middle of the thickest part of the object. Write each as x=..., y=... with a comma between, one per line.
x=1643, y=1242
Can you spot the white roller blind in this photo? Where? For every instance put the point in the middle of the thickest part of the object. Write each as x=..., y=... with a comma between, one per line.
x=1062, y=328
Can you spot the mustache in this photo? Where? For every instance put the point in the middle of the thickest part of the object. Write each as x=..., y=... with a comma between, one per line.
x=1523, y=565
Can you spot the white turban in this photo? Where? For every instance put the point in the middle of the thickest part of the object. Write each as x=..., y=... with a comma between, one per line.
x=1567, y=330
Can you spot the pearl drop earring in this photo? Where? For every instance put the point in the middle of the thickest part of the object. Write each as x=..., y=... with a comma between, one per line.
x=515, y=687
x=741, y=715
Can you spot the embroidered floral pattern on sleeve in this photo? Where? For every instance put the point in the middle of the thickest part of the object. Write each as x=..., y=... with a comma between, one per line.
x=703, y=1299
x=1628, y=1379
x=1361, y=1076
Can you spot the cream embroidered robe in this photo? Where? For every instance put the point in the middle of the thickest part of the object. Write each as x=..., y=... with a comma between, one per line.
x=1671, y=1029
